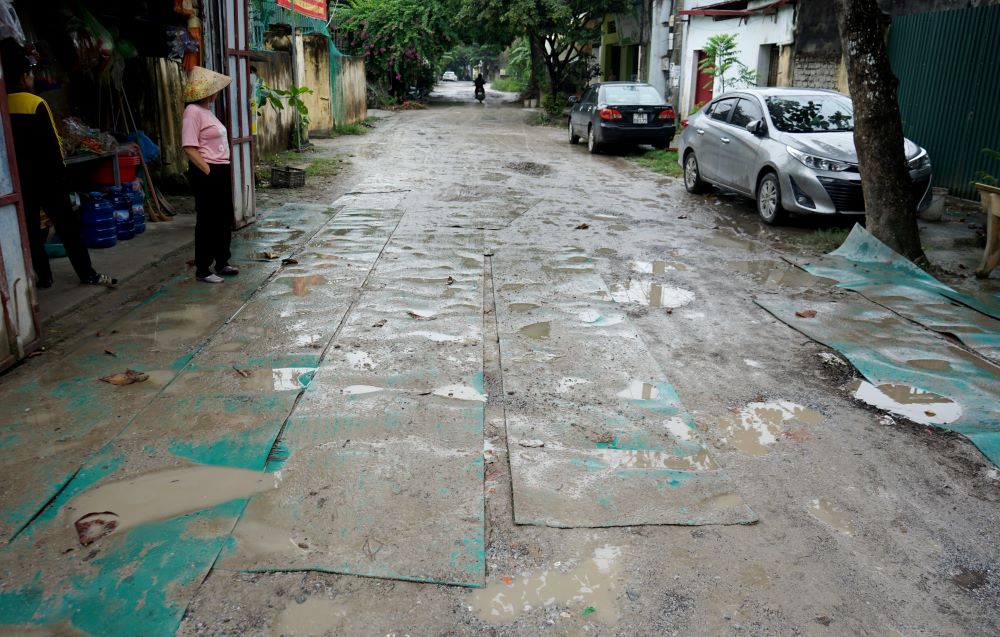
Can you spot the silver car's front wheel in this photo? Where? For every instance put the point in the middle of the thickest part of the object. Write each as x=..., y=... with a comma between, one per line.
x=769, y=199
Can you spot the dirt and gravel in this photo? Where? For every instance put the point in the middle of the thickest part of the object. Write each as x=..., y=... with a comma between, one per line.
x=867, y=525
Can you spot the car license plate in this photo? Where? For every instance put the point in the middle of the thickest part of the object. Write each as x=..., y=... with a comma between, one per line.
x=640, y=118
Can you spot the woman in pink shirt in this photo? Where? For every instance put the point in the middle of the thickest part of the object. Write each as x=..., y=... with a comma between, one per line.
x=206, y=143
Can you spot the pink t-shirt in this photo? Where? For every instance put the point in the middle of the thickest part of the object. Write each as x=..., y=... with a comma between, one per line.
x=202, y=130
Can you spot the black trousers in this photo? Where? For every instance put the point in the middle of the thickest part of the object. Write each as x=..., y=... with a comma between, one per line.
x=55, y=200
x=213, y=204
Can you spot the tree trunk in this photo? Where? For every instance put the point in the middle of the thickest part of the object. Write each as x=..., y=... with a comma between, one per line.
x=537, y=52
x=878, y=128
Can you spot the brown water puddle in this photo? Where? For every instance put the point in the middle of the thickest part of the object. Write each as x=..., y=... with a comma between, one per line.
x=630, y=459
x=651, y=294
x=930, y=364
x=759, y=425
x=302, y=285
x=657, y=267
x=537, y=330
x=825, y=511
x=778, y=273
x=593, y=584
x=314, y=617
x=725, y=240
x=162, y=495
x=913, y=403
x=190, y=322
x=523, y=307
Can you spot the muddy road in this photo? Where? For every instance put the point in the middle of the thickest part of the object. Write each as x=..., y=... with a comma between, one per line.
x=488, y=353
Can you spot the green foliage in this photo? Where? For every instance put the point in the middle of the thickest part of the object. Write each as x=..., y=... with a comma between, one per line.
x=465, y=58
x=663, y=162
x=508, y=85
x=278, y=98
x=721, y=57
x=326, y=167
x=984, y=177
x=561, y=32
x=350, y=129
x=554, y=105
x=399, y=39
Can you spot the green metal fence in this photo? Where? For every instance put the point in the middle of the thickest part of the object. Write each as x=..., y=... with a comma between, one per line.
x=948, y=65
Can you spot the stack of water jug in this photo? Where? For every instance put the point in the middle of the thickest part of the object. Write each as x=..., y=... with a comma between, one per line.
x=117, y=214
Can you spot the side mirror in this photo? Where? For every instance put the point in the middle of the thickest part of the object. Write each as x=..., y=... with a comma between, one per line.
x=757, y=127
x=573, y=99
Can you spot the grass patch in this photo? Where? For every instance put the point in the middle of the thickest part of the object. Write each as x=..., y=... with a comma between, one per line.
x=824, y=240
x=323, y=167
x=350, y=129
x=545, y=119
x=507, y=85
x=663, y=162
x=288, y=158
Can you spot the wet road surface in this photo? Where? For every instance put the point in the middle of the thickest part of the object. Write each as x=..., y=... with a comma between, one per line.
x=517, y=389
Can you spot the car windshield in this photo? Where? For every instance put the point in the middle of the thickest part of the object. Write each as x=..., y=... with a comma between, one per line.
x=632, y=94
x=817, y=113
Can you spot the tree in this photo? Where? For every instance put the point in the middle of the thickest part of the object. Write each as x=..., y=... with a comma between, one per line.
x=559, y=32
x=401, y=40
x=721, y=56
x=878, y=127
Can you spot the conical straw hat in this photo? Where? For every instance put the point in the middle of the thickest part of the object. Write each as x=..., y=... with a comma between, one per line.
x=202, y=83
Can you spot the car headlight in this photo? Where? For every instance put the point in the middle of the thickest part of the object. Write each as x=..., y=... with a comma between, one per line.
x=818, y=163
x=923, y=160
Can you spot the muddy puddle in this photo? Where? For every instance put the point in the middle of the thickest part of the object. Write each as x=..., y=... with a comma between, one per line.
x=638, y=390
x=651, y=294
x=522, y=307
x=825, y=511
x=777, y=273
x=190, y=322
x=657, y=267
x=460, y=392
x=593, y=317
x=161, y=495
x=631, y=459
x=314, y=617
x=537, y=330
x=726, y=240
x=590, y=587
x=303, y=285
x=913, y=403
x=758, y=426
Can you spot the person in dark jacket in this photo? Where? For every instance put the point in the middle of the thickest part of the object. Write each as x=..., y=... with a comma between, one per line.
x=41, y=171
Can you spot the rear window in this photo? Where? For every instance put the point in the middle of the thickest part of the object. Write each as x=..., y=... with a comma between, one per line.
x=628, y=94
x=811, y=113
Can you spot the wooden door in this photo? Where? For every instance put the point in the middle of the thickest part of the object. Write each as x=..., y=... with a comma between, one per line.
x=236, y=27
x=704, y=83
x=20, y=326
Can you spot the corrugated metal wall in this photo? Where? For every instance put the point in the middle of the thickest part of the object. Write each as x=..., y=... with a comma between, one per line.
x=948, y=65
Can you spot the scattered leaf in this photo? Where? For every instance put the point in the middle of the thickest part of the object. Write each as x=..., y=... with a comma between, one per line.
x=110, y=353
x=128, y=377
x=34, y=354
x=531, y=444
x=583, y=226
x=930, y=413
x=420, y=317
x=507, y=579
x=451, y=281
x=93, y=526
x=806, y=314
x=682, y=217
x=269, y=255
x=289, y=261
x=380, y=323
x=242, y=372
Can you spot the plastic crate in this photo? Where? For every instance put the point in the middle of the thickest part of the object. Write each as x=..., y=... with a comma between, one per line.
x=287, y=177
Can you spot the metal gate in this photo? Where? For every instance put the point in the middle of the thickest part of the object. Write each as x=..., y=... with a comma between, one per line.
x=20, y=327
x=236, y=55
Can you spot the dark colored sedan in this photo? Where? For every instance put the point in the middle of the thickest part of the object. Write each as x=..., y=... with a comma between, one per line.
x=622, y=113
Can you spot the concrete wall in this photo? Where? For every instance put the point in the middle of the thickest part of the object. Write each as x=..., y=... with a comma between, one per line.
x=315, y=74
x=659, y=46
x=350, y=98
x=274, y=127
x=752, y=33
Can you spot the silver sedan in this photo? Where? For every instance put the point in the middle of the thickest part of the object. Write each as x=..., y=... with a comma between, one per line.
x=790, y=149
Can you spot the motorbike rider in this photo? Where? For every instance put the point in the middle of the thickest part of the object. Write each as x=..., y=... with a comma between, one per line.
x=480, y=84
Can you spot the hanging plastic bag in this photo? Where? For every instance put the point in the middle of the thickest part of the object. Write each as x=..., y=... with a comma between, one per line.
x=10, y=24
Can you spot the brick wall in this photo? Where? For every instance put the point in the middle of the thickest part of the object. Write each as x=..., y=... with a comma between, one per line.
x=815, y=71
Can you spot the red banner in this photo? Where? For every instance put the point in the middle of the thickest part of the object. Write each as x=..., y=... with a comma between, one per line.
x=309, y=8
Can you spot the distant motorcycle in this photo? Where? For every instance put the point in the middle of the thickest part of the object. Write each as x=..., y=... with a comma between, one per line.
x=480, y=94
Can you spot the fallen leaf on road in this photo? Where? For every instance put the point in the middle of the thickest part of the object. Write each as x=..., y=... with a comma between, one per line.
x=93, y=526
x=380, y=323
x=806, y=314
x=128, y=377
x=682, y=217
x=531, y=444
x=269, y=255
x=289, y=262
x=451, y=281
x=110, y=353
x=242, y=372
x=507, y=579
x=583, y=226
x=35, y=354
x=420, y=317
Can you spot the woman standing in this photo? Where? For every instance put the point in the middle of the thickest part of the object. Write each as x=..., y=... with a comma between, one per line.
x=206, y=143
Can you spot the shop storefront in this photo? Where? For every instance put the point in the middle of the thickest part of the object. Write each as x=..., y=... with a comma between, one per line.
x=112, y=72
